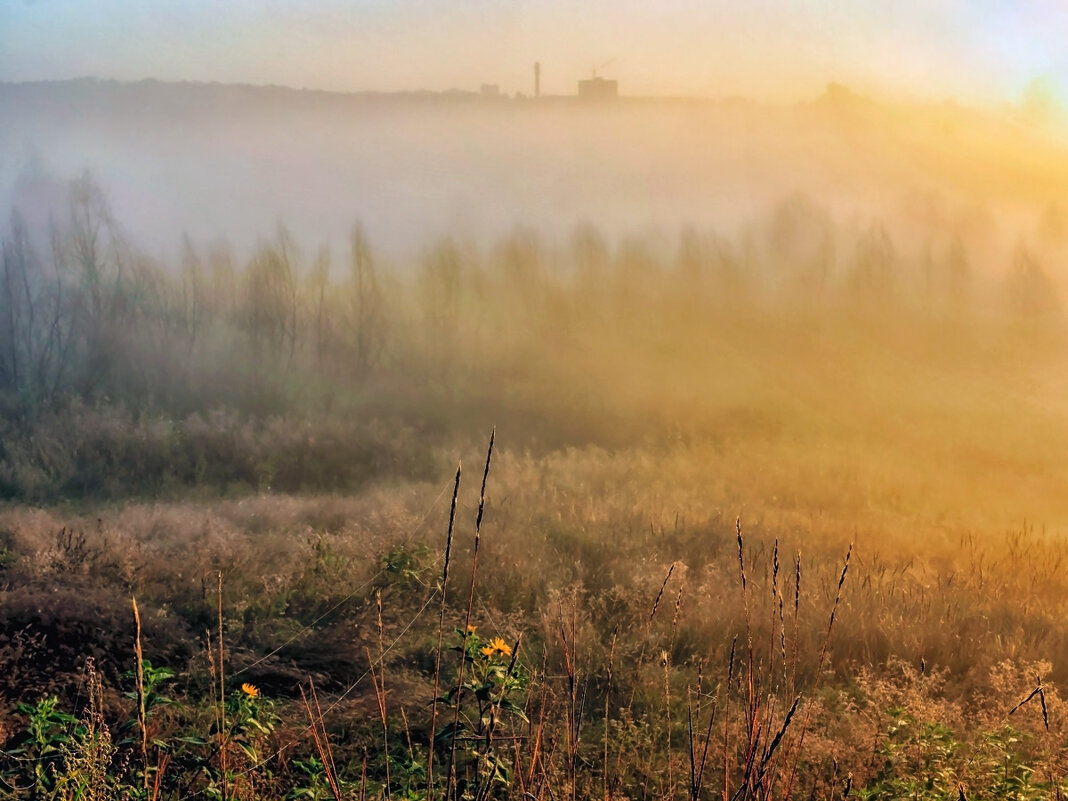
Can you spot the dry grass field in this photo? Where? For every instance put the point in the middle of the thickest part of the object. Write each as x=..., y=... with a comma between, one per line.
x=771, y=517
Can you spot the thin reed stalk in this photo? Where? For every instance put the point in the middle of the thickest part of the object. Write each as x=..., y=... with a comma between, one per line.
x=726, y=721
x=380, y=688
x=640, y=663
x=467, y=617
x=441, y=629
x=697, y=766
x=142, y=722
x=320, y=739
x=607, y=701
x=667, y=695
x=819, y=672
x=222, y=695
x=380, y=701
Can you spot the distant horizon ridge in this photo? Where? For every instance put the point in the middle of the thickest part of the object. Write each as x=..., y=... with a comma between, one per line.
x=452, y=92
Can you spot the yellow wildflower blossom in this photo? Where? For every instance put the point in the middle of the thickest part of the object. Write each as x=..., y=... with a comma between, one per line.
x=250, y=690
x=497, y=646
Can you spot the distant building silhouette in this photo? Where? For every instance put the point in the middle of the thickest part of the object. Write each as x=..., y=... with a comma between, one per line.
x=537, y=79
x=491, y=90
x=597, y=88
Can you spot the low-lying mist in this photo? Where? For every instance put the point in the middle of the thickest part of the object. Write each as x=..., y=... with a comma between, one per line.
x=866, y=290
x=226, y=162
x=927, y=372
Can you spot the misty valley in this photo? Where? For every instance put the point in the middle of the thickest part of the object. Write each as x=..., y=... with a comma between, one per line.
x=441, y=446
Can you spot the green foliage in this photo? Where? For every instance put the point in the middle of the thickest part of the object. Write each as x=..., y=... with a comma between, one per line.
x=999, y=766
x=487, y=695
x=408, y=568
x=155, y=702
x=919, y=760
x=309, y=779
x=926, y=760
x=37, y=754
x=250, y=719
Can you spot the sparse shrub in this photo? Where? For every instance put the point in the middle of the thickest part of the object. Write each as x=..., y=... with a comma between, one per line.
x=48, y=631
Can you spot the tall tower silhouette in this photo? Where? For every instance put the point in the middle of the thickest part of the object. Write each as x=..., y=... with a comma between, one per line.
x=537, y=79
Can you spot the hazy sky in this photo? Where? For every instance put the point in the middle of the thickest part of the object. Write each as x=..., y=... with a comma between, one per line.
x=974, y=50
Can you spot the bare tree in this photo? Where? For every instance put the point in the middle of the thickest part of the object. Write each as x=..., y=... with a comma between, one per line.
x=1031, y=294
x=269, y=313
x=367, y=312
x=35, y=326
x=91, y=252
x=874, y=277
x=439, y=283
x=318, y=283
x=191, y=310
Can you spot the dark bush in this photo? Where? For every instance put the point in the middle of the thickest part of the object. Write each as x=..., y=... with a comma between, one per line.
x=104, y=452
x=47, y=633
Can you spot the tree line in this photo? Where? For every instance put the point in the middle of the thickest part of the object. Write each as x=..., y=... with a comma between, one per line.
x=86, y=315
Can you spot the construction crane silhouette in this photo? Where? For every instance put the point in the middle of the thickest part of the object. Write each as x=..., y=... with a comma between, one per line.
x=593, y=71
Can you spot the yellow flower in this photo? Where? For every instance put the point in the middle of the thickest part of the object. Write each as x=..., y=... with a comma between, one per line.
x=471, y=630
x=497, y=646
x=250, y=690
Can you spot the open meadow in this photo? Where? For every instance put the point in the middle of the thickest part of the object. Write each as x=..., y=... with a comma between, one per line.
x=775, y=511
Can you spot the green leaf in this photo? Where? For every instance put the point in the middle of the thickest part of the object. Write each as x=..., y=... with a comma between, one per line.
x=192, y=740
x=449, y=732
x=515, y=710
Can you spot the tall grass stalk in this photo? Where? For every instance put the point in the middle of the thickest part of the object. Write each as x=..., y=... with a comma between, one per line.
x=320, y=738
x=140, y=688
x=222, y=694
x=819, y=670
x=441, y=630
x=467, y=617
